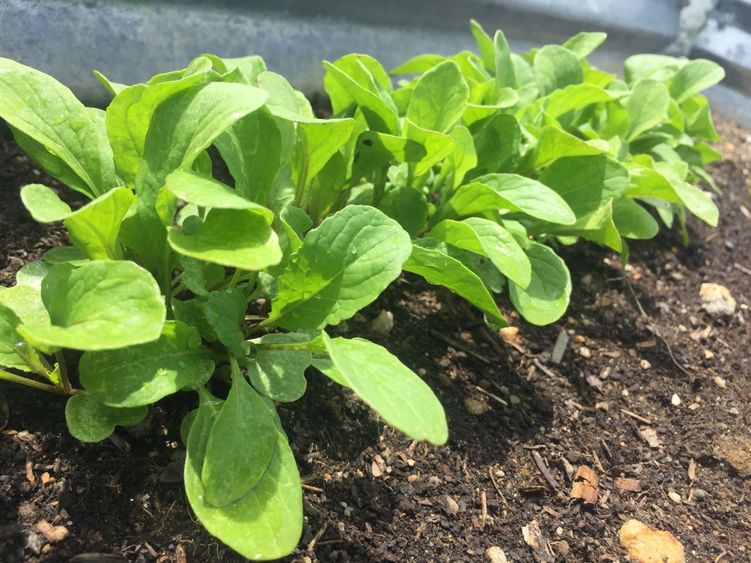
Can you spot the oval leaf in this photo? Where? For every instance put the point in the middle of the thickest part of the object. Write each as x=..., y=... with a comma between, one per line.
x=91, y=421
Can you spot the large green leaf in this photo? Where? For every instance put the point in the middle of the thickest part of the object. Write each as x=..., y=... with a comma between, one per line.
x=390, y=388
x=488, y=239
x=267, y=522
x=554, y=143
x=582, y=44
x=143, y=374
x=343, y=265
x=439, y=268
x=204, y=191
x=586, y=182
x=511, y=192
x=497, y=141
x=439, y=99
x=99, y=305
x=240, y=446
x=225, y=313
x=632, y=220
x=546, y=298
x=575, y=97
x=56, y=129
x=91, y=421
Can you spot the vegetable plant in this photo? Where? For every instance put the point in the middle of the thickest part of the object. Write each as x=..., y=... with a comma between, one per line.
x=469, y=172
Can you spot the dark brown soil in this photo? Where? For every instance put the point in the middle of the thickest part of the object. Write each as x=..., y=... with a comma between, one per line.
x=371, y=495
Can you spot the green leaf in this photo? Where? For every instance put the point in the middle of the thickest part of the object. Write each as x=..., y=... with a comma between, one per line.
x=14, y=352
x=239, y=238
x=596, y=226
x=647, y=106
x=43, y=203
x=284, y=101
x=656, y=67
x=407, y=206
x=485, y=45
x=586, y=182
x=252, y=150
x=225, y=313
x=95, y=228
x=99, y=305
x=632, y=220
x=488, y=239
x=463, y=158
x=497, y=141
x=584, y=43
x=546, y=298
x=575, y=97
x=439, y=99
x=694, y=77
x=91, y=421
x=240, y=446
x=343, y=265
x=322, y=138
x=26, y=302
x=505, y=75
x=376, y=105
x=267, y=522
x=130, y=115
x=207, y=192
x=56, y=129
x=555, y=143
x=375, y=150
x=143, y=374
x=438, y=268
x=557, y=67
x=418, y=64
x=437, y=146
x=390, y=388
x=279, y=374
x=511, y=192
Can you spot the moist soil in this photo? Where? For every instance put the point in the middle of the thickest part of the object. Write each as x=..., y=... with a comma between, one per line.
x=660, y=397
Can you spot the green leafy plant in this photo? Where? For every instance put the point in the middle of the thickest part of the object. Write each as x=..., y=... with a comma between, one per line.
x=470, y=174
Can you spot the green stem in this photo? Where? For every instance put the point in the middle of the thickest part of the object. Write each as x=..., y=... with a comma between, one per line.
x=379, y=186
x=13, y=378
x=64, y=379
x=303, y=177
x=167, y=281
x=235, y=278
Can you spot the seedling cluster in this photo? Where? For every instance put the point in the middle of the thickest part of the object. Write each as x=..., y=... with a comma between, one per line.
x=469, y=171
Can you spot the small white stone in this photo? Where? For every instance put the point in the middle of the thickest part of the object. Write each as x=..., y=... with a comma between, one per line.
x=720, y=382
x=675, y=497
x=675, y=400
x=585, y=352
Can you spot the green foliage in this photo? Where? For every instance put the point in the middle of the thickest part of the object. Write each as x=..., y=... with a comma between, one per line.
x=468, y=172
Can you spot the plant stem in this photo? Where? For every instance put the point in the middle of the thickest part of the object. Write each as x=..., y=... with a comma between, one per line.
x=13, y=378
x=167, y=281
x=235, y=278
x=302, y=179
x=64, y=380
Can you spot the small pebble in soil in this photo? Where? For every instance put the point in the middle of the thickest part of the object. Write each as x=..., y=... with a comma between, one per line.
x=495, y=555
x=645, y=364
x=700, y=494
x=585, y=352
x=675, y=497
x=675, y=400
x=717, y=300
x=720, y=382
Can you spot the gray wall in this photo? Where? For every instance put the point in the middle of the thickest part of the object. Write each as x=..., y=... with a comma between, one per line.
x=129, y=40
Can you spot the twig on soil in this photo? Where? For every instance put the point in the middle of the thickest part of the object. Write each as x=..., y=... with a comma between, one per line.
x=740, y=268
x=537, y=458
x=454, y=344
x=483, y=508
x=318, y=536
x=653, y=329
x=491, y=395
x=636, y=416
x=542, y=368
x=496, y=487
x=312, y=488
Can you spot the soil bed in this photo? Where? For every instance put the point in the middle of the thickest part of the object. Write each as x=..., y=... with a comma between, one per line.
x=371, y=495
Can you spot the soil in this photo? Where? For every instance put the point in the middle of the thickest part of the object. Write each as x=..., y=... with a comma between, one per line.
x=372, y=495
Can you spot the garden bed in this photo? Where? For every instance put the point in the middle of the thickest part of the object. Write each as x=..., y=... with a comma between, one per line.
x=372, y=495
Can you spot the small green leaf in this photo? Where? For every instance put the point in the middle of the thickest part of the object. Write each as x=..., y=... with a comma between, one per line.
x=505, y=75
x=512, y=192
x=484, y=45
x=439, y=99
x=390, y=388
x=143, y=374
x=43, y=204
x=239, y=238
x=584, y=43
x=95, y=228
x=438, y=268
x=575, y=97
x=557, y=67
x=488, y=239
x=99, y=305
x=14, y=351
x=277, y=373
x=225, y=313
x=91, y=421
x=694, y=77
x=546, y=298
x=632, y=220
x=555, y=143
x=240, y=446
x=343, y=265
x=647, y=106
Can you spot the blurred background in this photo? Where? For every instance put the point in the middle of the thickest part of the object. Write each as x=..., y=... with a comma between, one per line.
x=129, y=40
